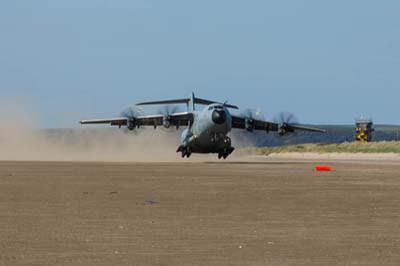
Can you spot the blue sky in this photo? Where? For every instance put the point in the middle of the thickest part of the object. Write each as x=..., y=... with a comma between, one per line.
x=326, y=61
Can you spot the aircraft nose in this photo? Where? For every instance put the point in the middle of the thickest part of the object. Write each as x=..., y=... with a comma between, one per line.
x=219, y=117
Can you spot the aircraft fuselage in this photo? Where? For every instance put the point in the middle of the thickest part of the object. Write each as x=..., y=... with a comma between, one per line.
x=208, y=132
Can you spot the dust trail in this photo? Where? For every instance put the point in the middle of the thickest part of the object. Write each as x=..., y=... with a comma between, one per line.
x=20, y=140
x=106, y=144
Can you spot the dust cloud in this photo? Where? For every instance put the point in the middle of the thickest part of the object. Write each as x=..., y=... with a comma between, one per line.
x=87, y=145
x=20, y=139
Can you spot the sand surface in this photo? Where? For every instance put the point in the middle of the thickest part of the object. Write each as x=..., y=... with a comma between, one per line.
x=269, y=212
x=338, y=156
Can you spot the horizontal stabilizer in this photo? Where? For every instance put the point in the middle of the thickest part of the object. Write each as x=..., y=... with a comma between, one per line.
x=207, y=102
x=177, y=101
x=187, y=101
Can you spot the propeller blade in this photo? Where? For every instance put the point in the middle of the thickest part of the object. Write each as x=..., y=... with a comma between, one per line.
x=131, y=113
x=166, y=111
x=285, y=118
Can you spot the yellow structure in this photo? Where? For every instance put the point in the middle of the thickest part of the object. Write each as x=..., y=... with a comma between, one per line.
x=364, y=129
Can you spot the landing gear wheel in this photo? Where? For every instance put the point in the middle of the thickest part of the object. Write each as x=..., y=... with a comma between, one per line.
x=223, y=155
x=186, y=152
x=225, y=152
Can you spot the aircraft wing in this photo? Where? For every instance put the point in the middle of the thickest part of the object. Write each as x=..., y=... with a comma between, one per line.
x=307, y=128
x=253, y=124
x=112, y=121
x=181, y=119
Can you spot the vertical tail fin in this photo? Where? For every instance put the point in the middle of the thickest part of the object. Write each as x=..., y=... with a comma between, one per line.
x=191, y=103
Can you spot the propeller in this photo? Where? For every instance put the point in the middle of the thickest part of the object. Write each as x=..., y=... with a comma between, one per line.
x=285, y=120
x=250, y=115
x=167, y=111
x=131, y=113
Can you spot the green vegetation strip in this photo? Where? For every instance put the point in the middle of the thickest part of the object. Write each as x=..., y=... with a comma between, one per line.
x=347, y=147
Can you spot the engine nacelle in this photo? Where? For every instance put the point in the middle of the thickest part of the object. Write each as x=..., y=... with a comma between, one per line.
x=167, y=121
x=131, y=124
x=284, y=129
x=249, y=124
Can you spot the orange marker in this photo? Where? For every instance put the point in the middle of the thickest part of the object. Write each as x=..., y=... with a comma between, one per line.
x=323, y=168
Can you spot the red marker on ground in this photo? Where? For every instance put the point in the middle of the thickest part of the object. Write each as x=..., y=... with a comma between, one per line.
x=323, y=168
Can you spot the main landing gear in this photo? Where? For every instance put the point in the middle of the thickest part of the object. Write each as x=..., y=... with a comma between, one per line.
x=225, y=152
x=186, y=152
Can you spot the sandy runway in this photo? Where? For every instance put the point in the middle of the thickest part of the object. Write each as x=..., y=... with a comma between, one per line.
x=209, y=213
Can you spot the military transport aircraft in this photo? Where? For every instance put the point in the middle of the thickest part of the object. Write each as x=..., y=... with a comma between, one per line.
x=206, y=130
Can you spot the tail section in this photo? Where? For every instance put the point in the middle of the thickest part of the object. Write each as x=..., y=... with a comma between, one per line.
x=190, y=102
